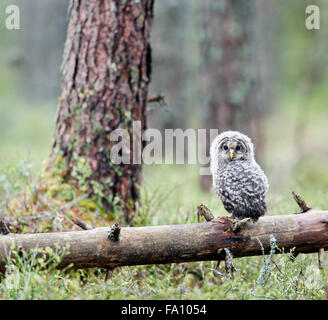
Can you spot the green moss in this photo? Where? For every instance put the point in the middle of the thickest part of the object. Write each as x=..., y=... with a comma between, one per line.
x=134, y=74
x=82, y=171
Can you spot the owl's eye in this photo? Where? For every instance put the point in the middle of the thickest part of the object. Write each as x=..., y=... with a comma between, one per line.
x=225, y=147
x=238, y=148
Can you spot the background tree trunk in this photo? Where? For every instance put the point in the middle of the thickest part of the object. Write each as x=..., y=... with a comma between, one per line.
x=39, y=48
x=230, y=70
x=105, y=75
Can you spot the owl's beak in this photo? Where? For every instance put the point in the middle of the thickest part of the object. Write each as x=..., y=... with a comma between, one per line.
x=232, y=154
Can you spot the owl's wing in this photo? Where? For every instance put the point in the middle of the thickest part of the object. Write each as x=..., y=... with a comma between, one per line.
x=243, y=189
x=263, y=177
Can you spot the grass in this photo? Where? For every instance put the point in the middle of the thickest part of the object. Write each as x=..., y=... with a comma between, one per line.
x=165, y=200
x=27, y=278
x=169, y=195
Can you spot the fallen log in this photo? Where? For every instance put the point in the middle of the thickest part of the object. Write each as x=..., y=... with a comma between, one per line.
x=307, y=232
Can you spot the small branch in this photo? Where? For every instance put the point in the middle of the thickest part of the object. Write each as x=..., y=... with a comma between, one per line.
x=203, y=211
x=228, y=259
x=3, y=228
x=293, y=255
x=114, y=232
x=83, y=225
x=301, y=203
x=159, y=98
x=304, y=208
x=219, y=251
x=321, y=254
x=109, y=273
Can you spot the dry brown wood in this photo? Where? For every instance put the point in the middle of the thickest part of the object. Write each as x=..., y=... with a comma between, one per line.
x=3, y=228
x=83, y=225
x=301, y=203
x=203, y=211
x=321, y=258
x=306, y=232
x=158, y=98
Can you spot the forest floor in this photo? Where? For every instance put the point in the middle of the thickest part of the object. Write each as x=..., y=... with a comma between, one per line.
x=166, y=199
x=170, y=194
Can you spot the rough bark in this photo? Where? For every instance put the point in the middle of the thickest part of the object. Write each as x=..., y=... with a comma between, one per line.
x=307, y=232
x=105, y=75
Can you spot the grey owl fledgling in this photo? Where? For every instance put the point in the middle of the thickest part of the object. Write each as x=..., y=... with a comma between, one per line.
x=237, y=179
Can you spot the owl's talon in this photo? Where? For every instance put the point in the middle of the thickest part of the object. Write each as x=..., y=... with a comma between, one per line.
x=217, y=219
x=224, y=219
x=240, y=224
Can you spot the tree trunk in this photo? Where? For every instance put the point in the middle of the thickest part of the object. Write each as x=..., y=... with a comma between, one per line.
x=307, y=232
x=105, y=75
x=230, y=70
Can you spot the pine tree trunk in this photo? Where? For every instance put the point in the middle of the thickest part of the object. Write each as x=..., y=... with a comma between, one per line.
x=105, y=75
x=230, y=70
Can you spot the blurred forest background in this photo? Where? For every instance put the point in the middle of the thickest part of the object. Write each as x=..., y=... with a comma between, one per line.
x=277, y=94
x=291, y=78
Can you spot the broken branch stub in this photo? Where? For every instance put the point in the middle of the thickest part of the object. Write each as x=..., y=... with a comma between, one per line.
x=301, y=203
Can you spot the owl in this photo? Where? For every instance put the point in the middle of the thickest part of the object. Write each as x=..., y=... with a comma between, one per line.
x=237, y=179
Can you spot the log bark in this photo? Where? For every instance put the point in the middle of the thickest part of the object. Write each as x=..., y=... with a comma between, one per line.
x=306, y=232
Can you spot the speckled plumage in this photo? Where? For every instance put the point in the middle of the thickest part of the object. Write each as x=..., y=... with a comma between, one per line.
x=237, y=179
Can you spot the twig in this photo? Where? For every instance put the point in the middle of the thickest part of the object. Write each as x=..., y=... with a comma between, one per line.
x=3, y=228
x=293, y=255
x=298, y=279
x=203, y=211
x=274, y=262
x=321, y=254
x=304, y=208
x=114, y=232
x=228, y=259
x=301, y=203
x=109, y=273
x=83, y=225
x=219, y=251
x=159, y=98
